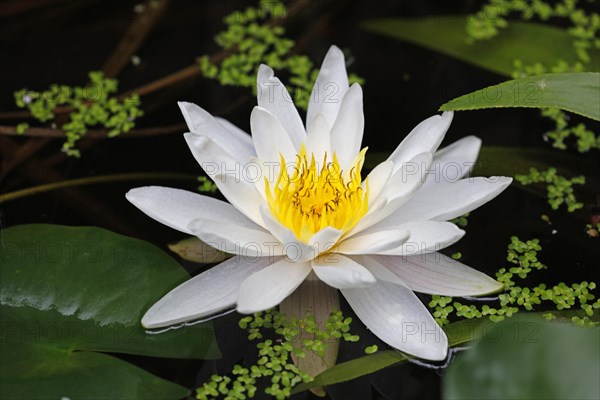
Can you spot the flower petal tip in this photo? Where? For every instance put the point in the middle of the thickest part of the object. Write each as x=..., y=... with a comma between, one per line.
x=356, y=87
x=473, y=138
x=153, y=319
x=433, y=347
x=136, y=194
x=184, y=105
x=147, y=322
x=198, y=140
x=333, y=49
x=436, y=353
x=334, y=56
x=489, y=286
x=264, y=73
x=246, y=311
x=503, y=181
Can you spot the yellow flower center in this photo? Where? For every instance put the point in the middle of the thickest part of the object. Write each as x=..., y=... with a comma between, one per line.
x=314, y=198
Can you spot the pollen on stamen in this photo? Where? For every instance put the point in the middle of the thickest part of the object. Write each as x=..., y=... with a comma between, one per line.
x=312, y=198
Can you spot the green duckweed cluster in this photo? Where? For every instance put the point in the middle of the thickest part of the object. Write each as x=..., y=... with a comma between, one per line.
x=461, y=221
x=92, y=105
x=559, y=189
x=523, y=259
x=275, y=364
x=252, y=41
x=22, y=127
x=584, y=28
x=206, y=185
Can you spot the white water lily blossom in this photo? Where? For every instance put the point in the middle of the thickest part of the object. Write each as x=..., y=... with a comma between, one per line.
x=298, y=204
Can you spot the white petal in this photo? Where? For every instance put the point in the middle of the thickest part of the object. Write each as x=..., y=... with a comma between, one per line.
x=294, y=249
x=235, y=179
x=246, y=238
x=212, y=157
x=210, y=292
x=273, y=96
x=270, y=138
x=330, y=87
x=434, y=273
x=425, y=137
x=318, y=139
x=176, y=208
x=257, y=170
x=378, y=178
x=398, y=190
x=242, y=135
x=379, y=271
x=341, y=272
x=264, y=74
x=454, y=162
x=202, y=122
x=347, y=131
x=463, y=150
x=325, y=239
x=446, y=200
x=268, y=287
x=355, y=165
x=266, y=171
x=242, y=195
x=408, y=178
x=373, y=243
x=425, y=237
x=396, y=316
x=376, y=209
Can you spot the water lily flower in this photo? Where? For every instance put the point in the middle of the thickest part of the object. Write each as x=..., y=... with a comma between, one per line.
x=298, y=205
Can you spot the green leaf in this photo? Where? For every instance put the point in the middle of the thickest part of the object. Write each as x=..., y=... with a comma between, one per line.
x=528, y=358
x=457, y=332
x=526, y=41
x=31, y=371
x=66, y=291
x=352, y=369
x=577, y=92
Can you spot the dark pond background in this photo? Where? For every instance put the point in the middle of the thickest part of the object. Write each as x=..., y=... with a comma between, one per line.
x=57, y=41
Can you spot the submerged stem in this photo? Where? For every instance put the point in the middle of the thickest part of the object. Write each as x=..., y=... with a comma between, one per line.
x=91, y=181
x=319, y=299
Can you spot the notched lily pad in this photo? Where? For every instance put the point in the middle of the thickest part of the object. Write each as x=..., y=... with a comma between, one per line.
x=67, y=292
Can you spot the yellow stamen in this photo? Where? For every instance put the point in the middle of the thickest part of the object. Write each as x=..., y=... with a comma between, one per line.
x=312, y=198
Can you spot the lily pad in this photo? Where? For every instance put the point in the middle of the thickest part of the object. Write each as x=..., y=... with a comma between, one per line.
x=525, y=41
x=529, y=359
x=66, y=292
x=37, y=371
